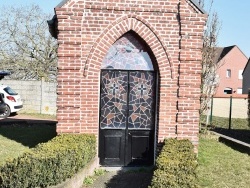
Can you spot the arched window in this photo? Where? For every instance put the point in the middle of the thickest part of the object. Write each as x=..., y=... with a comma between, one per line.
x=228, y=90
x=128, y=53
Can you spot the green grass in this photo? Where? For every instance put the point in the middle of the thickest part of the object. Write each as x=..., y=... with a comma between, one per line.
x=220, y=166
x=10, y=149
x=89, y=180
x=16, y=138
x=236, y=123
x=42, y=116
x=240, y=128
x=28, y=135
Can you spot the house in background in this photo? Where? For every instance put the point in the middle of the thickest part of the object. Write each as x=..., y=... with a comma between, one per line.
x=246, y=78
x=231, y=63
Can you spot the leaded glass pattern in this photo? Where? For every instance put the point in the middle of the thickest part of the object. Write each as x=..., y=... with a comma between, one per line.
x=128, y=53
x=127, y=100
x=114, y=86
x=141, y=100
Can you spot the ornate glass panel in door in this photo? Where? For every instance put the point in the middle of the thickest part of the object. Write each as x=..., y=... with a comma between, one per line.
x=113, y=117
x=114, y=86
x=141, y=118
x=141, y=100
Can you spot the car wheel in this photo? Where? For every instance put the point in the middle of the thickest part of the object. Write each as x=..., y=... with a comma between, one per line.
x=6, y=113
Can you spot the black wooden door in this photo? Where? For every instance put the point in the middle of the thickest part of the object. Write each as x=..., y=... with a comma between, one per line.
x=127, y=110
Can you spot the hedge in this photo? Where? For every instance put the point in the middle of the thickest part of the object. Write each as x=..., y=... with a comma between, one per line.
x=49, y=163
x=176, y=165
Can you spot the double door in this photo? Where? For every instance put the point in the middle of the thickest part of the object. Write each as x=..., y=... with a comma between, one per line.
x=127, y=118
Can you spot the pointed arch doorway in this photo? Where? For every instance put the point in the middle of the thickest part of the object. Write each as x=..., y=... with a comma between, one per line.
x=127, y=104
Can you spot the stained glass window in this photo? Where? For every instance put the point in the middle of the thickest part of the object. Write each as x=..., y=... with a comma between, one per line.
x=127, y=99
x=114, y=86
x=141, y=100
x=128, y=53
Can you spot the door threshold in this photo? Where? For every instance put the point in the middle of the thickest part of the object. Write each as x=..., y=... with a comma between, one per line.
x=125, y=169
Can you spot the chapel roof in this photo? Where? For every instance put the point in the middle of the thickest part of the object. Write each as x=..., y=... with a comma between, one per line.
x=192, y=1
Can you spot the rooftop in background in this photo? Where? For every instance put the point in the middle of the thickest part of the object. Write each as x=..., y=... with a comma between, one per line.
x=221, y=52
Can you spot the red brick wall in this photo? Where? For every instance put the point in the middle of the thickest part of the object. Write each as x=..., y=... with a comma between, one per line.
x=87, y=29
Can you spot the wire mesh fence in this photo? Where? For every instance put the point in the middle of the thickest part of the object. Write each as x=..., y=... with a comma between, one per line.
x=229, y=116
x=228, y=113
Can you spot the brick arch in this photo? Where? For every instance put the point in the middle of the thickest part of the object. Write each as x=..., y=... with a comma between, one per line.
x=120, y=27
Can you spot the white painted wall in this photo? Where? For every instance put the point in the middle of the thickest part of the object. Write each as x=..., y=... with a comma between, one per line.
x=221, y=107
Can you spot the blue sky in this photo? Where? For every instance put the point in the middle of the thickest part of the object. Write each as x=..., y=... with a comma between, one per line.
x=235, y=19
x=233, y=14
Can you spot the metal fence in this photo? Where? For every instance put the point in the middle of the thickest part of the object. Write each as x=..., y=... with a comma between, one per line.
x=230, y=112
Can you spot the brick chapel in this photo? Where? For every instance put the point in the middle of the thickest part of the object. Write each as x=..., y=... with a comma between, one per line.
x=129, y=71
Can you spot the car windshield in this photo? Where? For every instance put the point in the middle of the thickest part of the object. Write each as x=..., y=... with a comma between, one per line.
x=10, y=91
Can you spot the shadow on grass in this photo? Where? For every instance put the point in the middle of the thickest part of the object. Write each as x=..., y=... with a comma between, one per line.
x=130, y=179
x=235, y=146
x=239, y=134
x=28, y=132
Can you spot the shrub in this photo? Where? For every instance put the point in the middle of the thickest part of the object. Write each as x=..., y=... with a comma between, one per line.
x=176, y=165
x=49, y=163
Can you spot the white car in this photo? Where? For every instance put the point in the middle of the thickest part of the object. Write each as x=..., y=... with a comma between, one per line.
x=12, y=99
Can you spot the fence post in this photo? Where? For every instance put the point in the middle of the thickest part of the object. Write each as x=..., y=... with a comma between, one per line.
x=42, y=94
x=230, y=114
x=211, y=110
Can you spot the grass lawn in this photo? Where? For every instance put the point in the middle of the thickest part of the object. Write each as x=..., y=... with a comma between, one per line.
x=240, y=128
x=38, y=115
x=16, y=138
x=222, y=167
x=10, y=149
x=222, y=122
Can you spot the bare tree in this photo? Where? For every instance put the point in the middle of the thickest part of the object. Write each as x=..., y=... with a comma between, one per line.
x=26, y=47
x=209, y=78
